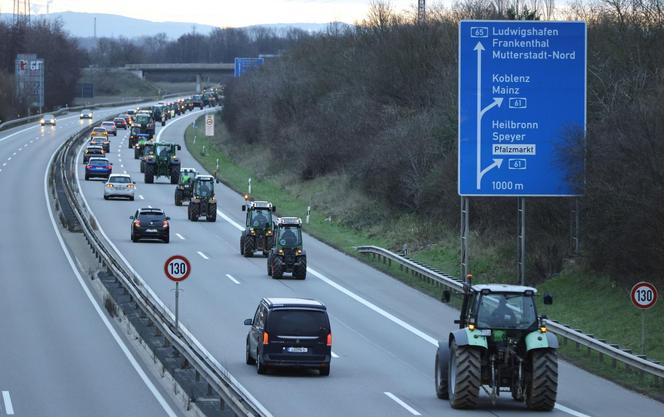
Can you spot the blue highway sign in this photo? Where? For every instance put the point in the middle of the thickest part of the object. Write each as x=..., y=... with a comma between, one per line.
x=242, y=65
x=522, y=102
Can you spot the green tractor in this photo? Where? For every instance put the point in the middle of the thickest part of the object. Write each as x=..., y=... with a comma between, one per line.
x=501, y=346
x=203, y=201
x=185, y=187
x=258, y=234
x=135, y=135
x=287, y=254
x=145, y=123
x=163, y=163
x=148, y=151
x=140, y=144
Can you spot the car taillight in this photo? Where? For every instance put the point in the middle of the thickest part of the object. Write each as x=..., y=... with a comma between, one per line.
x=88, y=167
x=266, y=338
x=137, y=223
x=329, y=339
x=165, y=224
x=109, y=167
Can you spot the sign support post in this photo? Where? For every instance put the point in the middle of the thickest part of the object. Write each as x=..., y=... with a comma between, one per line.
x=643, y=296
x=177, y=268
x=465, y=226
x=521, y=240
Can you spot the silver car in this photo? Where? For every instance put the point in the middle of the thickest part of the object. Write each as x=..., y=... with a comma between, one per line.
x=48, y=119
x=119, y=185
x=110, y=128
x=86, y=114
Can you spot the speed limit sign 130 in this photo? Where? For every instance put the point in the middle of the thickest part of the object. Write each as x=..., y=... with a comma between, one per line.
x=644, y=295
x=177, y=268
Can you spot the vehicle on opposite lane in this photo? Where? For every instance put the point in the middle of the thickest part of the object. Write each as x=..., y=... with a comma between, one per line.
x=289, y=333
x=150, y=223
x=48, y=119
x=91, y=151
x=119, y=185
x=98, y=168
x=86, y=114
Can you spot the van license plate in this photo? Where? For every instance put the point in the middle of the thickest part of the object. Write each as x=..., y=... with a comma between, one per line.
x=297, y=349
x=151, y=230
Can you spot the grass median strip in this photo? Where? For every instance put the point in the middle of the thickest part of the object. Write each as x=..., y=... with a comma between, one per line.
x=593, y=304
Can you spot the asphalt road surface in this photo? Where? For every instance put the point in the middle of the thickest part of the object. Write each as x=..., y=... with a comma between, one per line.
x=384, y=332
x=59, y=355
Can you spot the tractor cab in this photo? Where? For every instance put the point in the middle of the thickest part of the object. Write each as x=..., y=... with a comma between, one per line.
x=287, y=253
x=258, y=232
x=185, y=188
x=203, y=201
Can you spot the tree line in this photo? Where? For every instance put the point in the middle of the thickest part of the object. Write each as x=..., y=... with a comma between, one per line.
x=378, y=101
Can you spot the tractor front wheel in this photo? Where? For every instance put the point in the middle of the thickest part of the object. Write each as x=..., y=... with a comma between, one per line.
x=542, y=380
x=464, y=376
x=441, y=381
x=211, y=213
x=175, y=174
x=249, y=247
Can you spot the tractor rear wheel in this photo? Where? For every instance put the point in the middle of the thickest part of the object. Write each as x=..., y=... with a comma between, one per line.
x=178, y=197
x=242, y=244
x=542, y=380
x=149, y=174
x=192, y=211
x=175, y=174
x=269, y=266
x=301, y=271
x=211, y=213
x=277, y=268
x=142, y=166
x=136, y=153
x=249, y=247
x=464, y=376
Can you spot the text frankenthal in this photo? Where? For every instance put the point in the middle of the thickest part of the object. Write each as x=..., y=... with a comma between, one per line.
x=526, y=43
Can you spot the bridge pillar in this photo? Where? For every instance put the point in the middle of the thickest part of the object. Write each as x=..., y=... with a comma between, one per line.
x=198, y=83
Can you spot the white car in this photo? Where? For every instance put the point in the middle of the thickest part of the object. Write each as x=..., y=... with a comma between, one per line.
x=119, y=185
x=110, y=128
x=86, y=114
x=48, y=119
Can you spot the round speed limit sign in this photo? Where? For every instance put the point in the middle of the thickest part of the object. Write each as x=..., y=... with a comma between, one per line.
x=644, y=295
x=177, y=268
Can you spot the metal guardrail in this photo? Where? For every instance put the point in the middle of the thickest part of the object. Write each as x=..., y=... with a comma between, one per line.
x=218, y=378
x=613, y=351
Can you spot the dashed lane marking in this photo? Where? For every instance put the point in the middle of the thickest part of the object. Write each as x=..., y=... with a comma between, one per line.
x=229, y=276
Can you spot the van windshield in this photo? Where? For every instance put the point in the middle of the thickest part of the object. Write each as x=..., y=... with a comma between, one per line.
x=298, y=323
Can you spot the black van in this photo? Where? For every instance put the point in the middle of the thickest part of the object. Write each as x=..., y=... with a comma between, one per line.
x=289, y=332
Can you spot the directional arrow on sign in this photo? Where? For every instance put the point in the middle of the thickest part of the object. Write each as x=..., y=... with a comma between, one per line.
x=497, y=101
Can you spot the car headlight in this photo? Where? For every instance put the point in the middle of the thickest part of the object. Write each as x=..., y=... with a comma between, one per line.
x=268, y=232
x=298, y=251
x=252, y=231
x=281, y=251
x=109, y=185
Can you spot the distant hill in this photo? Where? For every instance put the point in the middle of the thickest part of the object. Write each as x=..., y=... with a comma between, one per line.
x=81, y=25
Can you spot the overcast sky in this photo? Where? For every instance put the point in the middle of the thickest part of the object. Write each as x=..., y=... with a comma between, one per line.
x=220, y=12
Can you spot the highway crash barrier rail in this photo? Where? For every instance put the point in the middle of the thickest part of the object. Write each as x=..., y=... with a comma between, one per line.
x=617, y=354
x=218, y=379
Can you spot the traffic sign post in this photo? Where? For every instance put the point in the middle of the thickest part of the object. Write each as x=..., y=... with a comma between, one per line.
x=177, y=268
x=522, y=95
x=209, y=125
x=643, y=296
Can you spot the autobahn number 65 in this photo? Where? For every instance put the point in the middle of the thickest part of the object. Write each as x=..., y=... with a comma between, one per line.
x=177, y=268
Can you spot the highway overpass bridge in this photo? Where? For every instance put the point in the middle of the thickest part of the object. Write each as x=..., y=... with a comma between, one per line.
x=140, y=70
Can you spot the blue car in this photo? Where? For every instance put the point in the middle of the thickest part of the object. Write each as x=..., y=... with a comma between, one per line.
x=98, y=168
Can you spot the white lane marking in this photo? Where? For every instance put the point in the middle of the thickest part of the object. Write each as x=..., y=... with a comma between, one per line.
x=229, y=276
x=7, y=399
x=121, y=166
x=14, y=154
x=334, y=355
x=124, y=172
x=570, y=411
x=149, y=206
x=396, y=399
x=141, y=197
x=202, y=255
x=372, y=306
x=25, y=130
x=180, y=236
x=9, y=159
x=4, y=164
x=134, y=363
